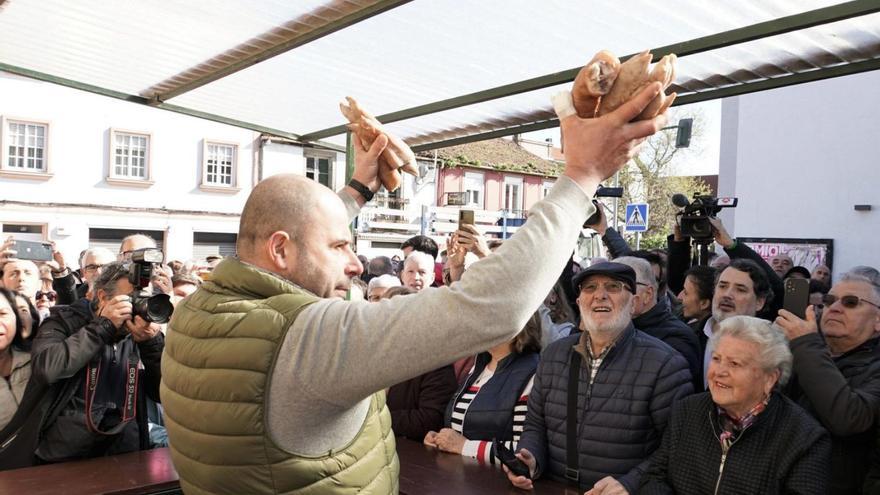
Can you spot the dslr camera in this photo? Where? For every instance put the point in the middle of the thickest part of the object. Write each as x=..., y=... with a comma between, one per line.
x=155, y=308
x=695, y=214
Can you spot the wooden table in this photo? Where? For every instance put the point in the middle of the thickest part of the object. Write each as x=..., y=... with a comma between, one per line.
x=423, y=471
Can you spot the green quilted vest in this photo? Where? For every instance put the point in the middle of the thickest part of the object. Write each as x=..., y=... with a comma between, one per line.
x=219, y=353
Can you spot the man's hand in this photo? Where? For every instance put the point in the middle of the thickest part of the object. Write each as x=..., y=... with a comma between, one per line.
x=162, y=279
x=366, y=166
x=720, y=233
x=795, y=327
x=58, y=257
x=607, y=486
x=597, y=148
x=430, y=439
x=117, y=310
x=471, y=240
x=602, y=225
x=6, y=251
x=449, y=440
x=141, y=330
x=522, y=482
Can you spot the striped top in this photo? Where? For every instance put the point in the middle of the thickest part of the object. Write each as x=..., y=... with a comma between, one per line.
x=482, y=449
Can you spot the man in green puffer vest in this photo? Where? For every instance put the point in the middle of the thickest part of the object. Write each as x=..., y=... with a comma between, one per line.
x=272, y=383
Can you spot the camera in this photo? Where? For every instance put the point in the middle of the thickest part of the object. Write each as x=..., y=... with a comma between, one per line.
x=155, y=308
x=695, y=214
x=602, y=192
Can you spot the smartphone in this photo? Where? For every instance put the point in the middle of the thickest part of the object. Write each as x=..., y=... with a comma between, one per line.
x=509, y=459
x=595, y=217
x=465, y=217
x=31, y=250
x=797, y=296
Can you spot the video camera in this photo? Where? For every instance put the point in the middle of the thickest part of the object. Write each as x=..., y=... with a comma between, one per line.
x=695, y=214
x=602, y=192
x=156, y=308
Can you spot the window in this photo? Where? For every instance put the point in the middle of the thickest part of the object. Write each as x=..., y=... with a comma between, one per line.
x=473, y=188
x=548, y=185
x=219, y=166
x=319, y=168
x=129, y=158
x=24, y=148
x=513, y=187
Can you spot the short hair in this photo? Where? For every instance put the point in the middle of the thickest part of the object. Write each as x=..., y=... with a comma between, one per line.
x=381, y=265
x=106, y=281
x=528, y=340
x=383, y=282
x=643, y=269
x=703, y=278
x=773, y=353
x=760, y=281
x=18, y=341
x=654, y=259
x=135, y=236
x=397, y=291
x=360, y=284
x=423, y=244
x=213, y=257
x=419, y=257
x=864, y=274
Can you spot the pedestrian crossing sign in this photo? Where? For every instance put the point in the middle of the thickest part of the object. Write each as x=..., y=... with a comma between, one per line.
x=637, y=217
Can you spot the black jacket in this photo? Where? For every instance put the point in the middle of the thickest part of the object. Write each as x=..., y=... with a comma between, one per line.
x=659, y=323
x=843, y=393
x=784, y=451
x=69, y=289
x=417, y=404
x=66, y=342
x=622, y=415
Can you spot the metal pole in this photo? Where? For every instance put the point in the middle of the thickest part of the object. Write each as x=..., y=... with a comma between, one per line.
x=504, y=223
x=616, y=184
x=423, y=222
x=638, y=240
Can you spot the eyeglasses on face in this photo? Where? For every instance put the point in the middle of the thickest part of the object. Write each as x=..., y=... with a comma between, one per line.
x=611, y=287
x=50, y=296
x=848, y=301
x=92, y=267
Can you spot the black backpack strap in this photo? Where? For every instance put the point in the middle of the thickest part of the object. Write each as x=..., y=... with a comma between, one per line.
x=571, y=440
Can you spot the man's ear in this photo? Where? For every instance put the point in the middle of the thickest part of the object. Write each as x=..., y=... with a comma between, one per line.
x=279, y=251
x=760, y=303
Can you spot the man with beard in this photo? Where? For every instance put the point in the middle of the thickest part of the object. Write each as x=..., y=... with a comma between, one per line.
x=272, y=383
x=740, y=289
x=626, y=384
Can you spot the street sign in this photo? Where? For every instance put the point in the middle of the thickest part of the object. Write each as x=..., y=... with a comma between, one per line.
x=637, y=217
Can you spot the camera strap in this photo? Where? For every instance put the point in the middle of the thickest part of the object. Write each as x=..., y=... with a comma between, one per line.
x=572, y=472
x=96, y=374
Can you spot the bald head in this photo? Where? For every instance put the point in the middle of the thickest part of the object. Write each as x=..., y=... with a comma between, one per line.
x=280, y=203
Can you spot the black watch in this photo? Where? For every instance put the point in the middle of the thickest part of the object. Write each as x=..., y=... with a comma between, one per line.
x=361, y=189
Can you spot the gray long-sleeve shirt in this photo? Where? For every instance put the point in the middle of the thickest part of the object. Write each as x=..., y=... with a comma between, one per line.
x=338, y=353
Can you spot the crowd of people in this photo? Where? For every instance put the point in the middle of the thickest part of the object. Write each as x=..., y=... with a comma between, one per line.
x=639, y=373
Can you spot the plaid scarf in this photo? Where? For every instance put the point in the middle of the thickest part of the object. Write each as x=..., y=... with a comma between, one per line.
x=732, y=428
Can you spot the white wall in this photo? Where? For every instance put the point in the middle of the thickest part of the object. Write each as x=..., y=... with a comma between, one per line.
x=799, y=158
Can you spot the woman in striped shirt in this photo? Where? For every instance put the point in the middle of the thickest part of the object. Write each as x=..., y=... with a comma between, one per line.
x=492, y=402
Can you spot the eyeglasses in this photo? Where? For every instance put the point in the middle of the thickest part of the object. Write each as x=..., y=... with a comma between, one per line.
x=92, y=267
x=613, y=287
x=50, y=296
x=848, y=302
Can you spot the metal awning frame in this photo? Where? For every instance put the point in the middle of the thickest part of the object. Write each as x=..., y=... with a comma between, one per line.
x=782, y=25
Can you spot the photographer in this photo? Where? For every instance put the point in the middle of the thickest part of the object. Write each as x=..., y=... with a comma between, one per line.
x=95, y=363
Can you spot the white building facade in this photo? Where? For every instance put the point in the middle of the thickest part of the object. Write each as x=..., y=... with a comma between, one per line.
x=801, y=159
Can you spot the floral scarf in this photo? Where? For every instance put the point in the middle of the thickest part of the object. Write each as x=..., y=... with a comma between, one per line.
x=732, y=428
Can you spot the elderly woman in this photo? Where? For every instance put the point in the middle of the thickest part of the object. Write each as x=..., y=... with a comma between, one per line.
x=742, y=436
x=15, y=362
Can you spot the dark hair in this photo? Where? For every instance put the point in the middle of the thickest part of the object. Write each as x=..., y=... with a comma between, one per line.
x=799, y=269
x=654, y=259
x=528, y=340
x=397, y=291
x=106, y=281
x=422, y=243
x=818, y=286
x=18, y=341
x=760, y=281
x=381, y=265
x=703, y=278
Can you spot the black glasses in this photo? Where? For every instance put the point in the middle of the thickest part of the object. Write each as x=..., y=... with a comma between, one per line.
x=92, y=267
x=51, y=295
x=848, y=302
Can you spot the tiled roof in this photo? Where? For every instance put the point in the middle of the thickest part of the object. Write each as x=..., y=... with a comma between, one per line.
x=496, y=154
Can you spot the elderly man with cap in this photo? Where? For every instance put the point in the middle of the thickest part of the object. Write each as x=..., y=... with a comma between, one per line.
x=597, y=426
